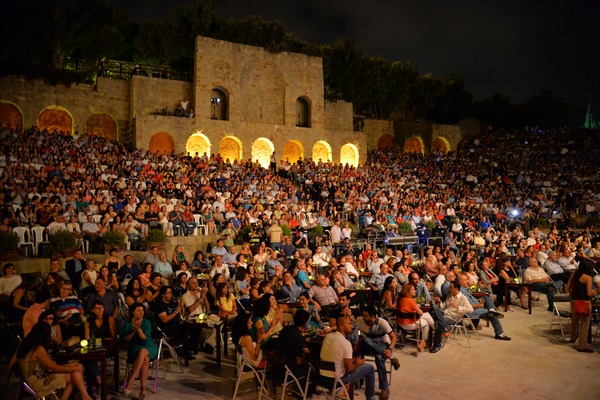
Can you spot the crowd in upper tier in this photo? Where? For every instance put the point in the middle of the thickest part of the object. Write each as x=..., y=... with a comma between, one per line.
x=50, y=178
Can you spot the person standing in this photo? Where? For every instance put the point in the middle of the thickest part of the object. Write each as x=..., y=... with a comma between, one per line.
x=580, y=288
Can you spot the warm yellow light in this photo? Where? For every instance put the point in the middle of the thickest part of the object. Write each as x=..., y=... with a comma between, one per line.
x=83, y=343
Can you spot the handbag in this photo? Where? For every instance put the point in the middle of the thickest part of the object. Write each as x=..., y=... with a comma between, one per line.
x=582, y=307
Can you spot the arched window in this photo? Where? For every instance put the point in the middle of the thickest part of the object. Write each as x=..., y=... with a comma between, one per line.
x=56, y=119
x=198, y=144
x=293, y=151
x=10, y=115
x=302, y=112
x=413, y=145
x=231, y=148
x=102, y=124
x=349, y=155
x=219, y=104
x=440, y=144
x=321, y=152
x=262, y=149
x=161, y=143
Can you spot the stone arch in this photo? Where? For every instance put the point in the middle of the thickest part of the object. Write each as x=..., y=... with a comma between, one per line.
x=55, y=118
x=440, y=144
x=161, y=143
x=102, y=124
x=414, y=145
x=293, y=151
x=385, y=142
x=219, y=104
x=349, y=155
x=321, y=151
x=264, y=83
x=231, y=148
x=198, y=143
x=303, y=112
x=262, y=149
x=10, y=115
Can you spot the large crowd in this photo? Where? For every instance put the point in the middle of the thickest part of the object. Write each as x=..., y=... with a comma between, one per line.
x=487, y=202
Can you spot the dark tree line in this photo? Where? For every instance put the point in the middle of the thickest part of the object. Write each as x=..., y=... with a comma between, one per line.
x=51, y=35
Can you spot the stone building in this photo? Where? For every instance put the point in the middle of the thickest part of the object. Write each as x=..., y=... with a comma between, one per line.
x=248, y=102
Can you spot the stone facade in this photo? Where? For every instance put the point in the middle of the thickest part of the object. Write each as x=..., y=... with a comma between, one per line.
x=248, y=103
x=266, y=102
x=80, y=102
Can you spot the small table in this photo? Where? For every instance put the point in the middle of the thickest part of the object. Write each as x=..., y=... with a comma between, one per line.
x=194, y=324
x=514, y=285
x=110, y=349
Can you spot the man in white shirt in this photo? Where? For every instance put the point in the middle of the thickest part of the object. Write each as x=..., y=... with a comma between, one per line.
x=541, y=281
x=337, y=349
x=449, y=312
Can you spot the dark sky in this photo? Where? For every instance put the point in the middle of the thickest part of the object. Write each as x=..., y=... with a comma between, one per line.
x=514, y=47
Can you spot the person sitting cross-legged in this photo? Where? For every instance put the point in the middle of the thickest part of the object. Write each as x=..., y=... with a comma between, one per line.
x=483, y=309
x=448, y=313
x=379, y=341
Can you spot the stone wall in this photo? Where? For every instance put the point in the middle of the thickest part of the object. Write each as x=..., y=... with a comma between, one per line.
x=150, y=95
x=374, y=129
x=262, y=91
x=80, y=101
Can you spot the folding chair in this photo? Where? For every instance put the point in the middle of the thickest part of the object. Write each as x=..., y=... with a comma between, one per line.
x=244, y=365
x=16, y=368
x=163, y=344
x=334, y=386
x=153, y=366
x=558, y=318
x=287, y=380
x=404, y=334
x=458, y=327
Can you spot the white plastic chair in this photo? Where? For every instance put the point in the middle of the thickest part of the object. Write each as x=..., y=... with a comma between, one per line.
x=25, y=239
x=39, y=237
x=200, y=225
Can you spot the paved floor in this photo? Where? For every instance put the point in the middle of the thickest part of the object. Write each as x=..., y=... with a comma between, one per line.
x=536, y=364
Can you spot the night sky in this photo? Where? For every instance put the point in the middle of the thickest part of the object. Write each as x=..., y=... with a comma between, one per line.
x=516, y=48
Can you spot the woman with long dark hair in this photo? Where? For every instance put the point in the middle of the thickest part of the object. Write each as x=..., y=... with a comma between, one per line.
x=42, y=374
x=241, y=336
x=580, y=288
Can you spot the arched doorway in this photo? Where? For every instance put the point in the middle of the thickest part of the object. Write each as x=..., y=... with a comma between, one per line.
x=440, y=144
x=161, y=143
x=349, y=155
x=293, y=151
x=219, y=104
x=385, y=142
x=413, y=145
x=261, y=151
x=55, y=118
x=10, y=115
x=198, y=143
x=102, y=124
x=303, y=112
x=321, y=152
x=231, y=148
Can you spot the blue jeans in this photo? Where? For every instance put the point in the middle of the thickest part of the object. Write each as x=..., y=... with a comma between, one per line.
x=376, y=348
x=366, y=371
x=482, y=313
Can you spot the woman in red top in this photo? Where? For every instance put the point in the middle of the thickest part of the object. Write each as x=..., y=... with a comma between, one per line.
x=410, y=315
